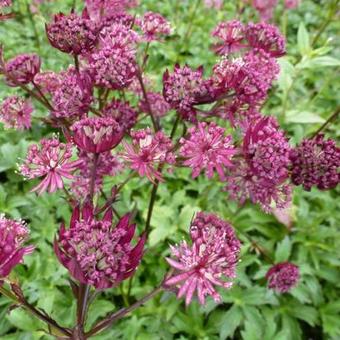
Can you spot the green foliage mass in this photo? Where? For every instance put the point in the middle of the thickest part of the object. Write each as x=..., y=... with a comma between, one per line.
x=305, y=95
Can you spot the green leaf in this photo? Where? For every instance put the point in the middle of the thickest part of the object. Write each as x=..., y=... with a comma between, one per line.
x=22, y=320
x=283, y=250
x=303, y=117
x=303, y=40
x=325, y=61
x=230, y=321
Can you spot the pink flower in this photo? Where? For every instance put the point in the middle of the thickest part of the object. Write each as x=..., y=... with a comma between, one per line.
x=231, y=34
x=291, y=4
x=265, y=8
x=154, y=26
x=207, y=148
x=99, y=10
x=73, y=97
x=266, y=150
x=48, y=82
x=147, y=152
x=107, y=165
x=97, y=135
x=159, y=106
x=283, y=276
x=243, y=184
x=200, y=267
x=51, y=160
x=95, y=252
x=72, y=34
x=21, y=69
x=113, y=68
x=122, y=112
x=217, y=4
x=119, y=36
x=184, y=88
x=316, y=162
x=5, y=3
x=15, y=112
x=267, y=38
x=13, y=234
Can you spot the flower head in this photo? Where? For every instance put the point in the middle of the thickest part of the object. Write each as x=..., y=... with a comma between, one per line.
x=207, y=148
x=21, y=69
x=154, y=26
x=159, y=106
x=184, y=88
x=51, y=160
x=212, y=256
x=243, y=184
x=265, y=8
x=97, y=135
x=283, y=276
x=113, y=68
x=73, y=96
x=217, y=4
x=122, y=112
x=106, y=165
x=15, y=112
x=13, y=234
x=316, y=162
x=231, y=34
x=147, y=152
x=72, y=33
x=48, y=82
x=267, y=38
x=291, y=4
x=266, y=150
x=95, y=252
x=100, y=10
x=5, y=3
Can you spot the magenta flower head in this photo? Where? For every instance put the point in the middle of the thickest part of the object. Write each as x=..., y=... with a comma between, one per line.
x=13, y=234
x=266, y=149
x=51, y=160
x=95, y=252
x=159, y=106
x=154, y=26
x=48, y=81
x=21, y=69
x=291, y=4
x=5, y=3
x=283, y=276
x=265, y=8
x=207, y=148
x=184, y=88
x=267, y=38
x=212, y=256
x=122, y=112
x=243, y=183
x=112, y=67
x=97, y=135
x=72, y=33
x=316, y=162
x=147, y=152
x=15, y=112
x=231, y=34
x=73, y=96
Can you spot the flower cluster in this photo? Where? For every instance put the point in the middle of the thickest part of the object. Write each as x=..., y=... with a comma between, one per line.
x=15, y=112
x=148, y=152
x=13, y=234
x=185, y=88
x=95, y=252
x=97, y=135
x=316, y=162
x=73, y=94
x=207, y=149
x=51, y=160
x=72, y=33
x=154, y=26
x=159, y=107
x=282, y=277
x=21, y=69
x=261, y=173
x=212, y=256
x=122, y=112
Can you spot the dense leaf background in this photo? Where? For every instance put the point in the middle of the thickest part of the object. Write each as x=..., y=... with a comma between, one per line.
x=305, y=95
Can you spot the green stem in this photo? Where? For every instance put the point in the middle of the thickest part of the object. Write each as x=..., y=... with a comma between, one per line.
x=329, y=120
